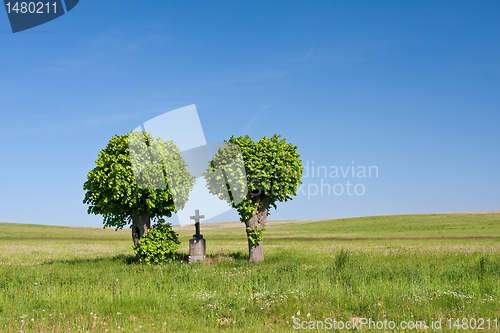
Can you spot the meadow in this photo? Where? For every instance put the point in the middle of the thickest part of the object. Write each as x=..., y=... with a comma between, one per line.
x=402, y=268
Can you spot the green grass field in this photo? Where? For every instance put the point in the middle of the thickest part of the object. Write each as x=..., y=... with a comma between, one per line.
x=396, y=268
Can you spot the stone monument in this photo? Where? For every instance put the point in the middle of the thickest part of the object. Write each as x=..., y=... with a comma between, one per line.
x=197, y=245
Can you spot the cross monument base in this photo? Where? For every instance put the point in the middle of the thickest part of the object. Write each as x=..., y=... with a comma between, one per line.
x=197, y=248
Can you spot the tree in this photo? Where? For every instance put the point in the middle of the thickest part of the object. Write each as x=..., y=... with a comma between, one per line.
x=272, y=171
x=136, y=179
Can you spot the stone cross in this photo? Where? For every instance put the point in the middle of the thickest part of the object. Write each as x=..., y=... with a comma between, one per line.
x=197, y=245
x=196, y=219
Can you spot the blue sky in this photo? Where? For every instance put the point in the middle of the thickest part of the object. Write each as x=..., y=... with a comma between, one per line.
x=411, y=87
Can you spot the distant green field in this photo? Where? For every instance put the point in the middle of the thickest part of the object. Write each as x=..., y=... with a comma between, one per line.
x=396, y=268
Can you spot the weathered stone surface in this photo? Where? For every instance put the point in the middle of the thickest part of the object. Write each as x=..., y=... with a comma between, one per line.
x=197, y=248
x=195, y=258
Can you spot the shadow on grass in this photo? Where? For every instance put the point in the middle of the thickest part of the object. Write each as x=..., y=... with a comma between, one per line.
x=126, y=259
x=133, y=260
x=182, y=257
x=237, y=255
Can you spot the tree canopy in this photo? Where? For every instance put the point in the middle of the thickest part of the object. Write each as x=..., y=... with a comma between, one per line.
x=134, y=174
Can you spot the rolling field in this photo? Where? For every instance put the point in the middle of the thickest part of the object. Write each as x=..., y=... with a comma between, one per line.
x=401, y=268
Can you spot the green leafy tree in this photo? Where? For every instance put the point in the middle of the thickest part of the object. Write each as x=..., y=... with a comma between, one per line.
x=136, y=179
x=271, y=170
x=158, y=246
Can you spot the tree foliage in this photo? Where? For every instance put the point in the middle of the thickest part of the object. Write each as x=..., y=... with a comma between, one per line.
x=272, y=174
x=113, y=192
x=255, y=235
x=158, y=246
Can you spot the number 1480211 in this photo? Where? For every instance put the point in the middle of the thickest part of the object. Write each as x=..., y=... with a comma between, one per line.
x=473, y=323
x=31, y=7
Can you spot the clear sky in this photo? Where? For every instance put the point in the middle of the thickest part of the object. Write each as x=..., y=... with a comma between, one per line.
x=410, y=87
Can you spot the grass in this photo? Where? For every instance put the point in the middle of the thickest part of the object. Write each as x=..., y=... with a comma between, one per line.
x=399, y=268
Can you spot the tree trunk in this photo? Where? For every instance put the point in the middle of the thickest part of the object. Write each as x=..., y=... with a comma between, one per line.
x=256, y=252
x=140, y=225
x=258, y=219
